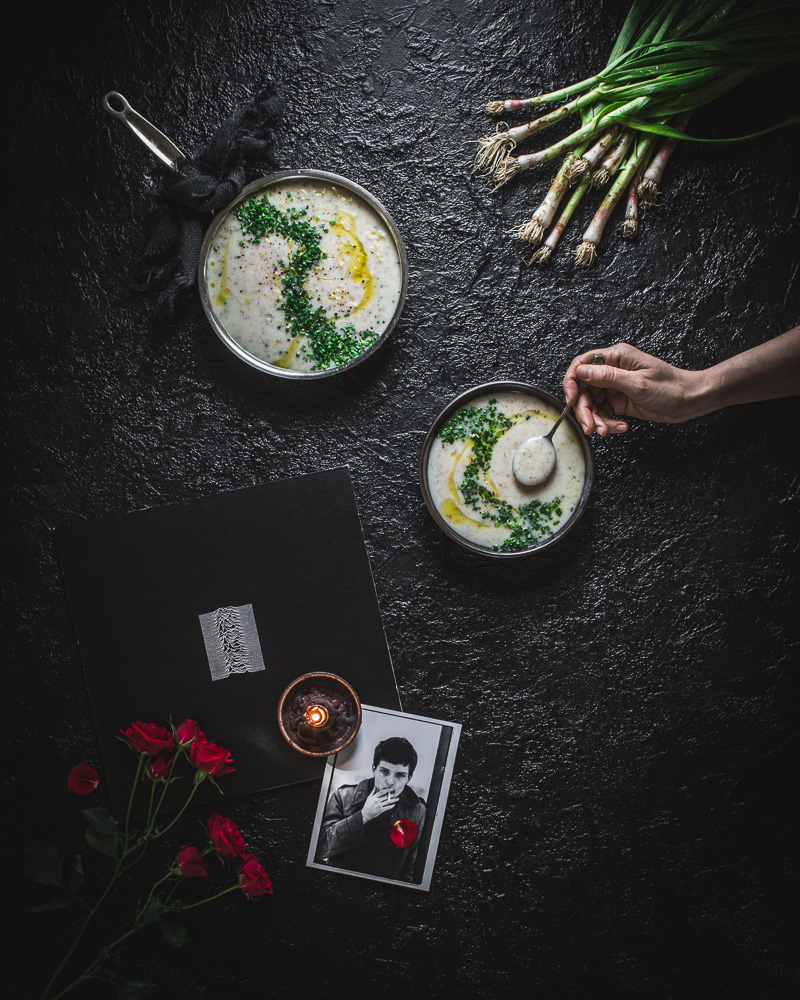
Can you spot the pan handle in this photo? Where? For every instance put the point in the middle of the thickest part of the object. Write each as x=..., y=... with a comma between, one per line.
x=156, y=141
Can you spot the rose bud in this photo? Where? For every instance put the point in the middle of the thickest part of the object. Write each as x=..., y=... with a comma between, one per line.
x=191, y=862
x=144, y=737
x=186, y=733
x=225, y=837
x=82, y=779
x=253, y=880
x=159, y=767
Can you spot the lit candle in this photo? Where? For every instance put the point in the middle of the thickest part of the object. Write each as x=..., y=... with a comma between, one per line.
x=319, y=714
x=316, y=715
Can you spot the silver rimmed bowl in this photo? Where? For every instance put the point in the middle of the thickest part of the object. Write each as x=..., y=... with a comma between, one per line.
x=489, y=389
x=263, y=186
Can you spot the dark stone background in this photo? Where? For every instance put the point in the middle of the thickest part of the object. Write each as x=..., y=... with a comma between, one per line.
x=620, y=817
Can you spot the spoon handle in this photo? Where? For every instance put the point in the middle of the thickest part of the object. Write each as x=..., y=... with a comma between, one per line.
x=158, y=144
x=554, y=428
x=596, y=359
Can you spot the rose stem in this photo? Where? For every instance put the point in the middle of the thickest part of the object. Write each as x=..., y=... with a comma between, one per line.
x=542, y=255
x=603, y=174
x=119, y=869
x=648, y=189
x=133, y=792
x=199, y=776
x=533, y=229
x=499, y=107
x=493, y=148
x=90, y=971
x=114, y=876
x=586, y=253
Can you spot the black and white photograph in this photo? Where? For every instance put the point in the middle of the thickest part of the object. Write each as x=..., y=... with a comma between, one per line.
x=383, y=799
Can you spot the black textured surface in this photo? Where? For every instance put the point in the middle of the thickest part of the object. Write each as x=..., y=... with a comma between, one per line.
x=621, y=817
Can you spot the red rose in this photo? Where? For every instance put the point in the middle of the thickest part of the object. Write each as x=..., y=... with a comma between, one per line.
x=83, y=779
x=225, y=837
x=144, y=737
x=159, y=767
x=191, y=862
x=404, y=833
x=187, y=732
x=210, y=758
x=252, y=878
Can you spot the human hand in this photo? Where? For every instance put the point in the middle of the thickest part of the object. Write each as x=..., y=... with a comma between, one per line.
x=630, y=383
x=377, y=803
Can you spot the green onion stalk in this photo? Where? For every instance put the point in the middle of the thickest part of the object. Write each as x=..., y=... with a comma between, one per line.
x=533, y=230
x=670, y=57
x=630, y=226
x=586, y=254
x=647, y=187
x=543, y=254
x=608, y=167
x=584, y=164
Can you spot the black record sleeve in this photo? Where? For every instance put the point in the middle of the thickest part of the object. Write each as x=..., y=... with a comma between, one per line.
x=285, y=560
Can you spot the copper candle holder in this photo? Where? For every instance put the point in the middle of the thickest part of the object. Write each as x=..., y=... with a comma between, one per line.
x=319, y=714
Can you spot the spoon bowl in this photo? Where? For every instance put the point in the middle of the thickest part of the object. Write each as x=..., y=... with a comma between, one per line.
x=534, y=461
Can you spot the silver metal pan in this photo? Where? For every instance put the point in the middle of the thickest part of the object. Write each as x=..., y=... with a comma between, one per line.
x=170, y=155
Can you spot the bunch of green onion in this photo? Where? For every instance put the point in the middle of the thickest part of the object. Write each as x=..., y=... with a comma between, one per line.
x=671, y=57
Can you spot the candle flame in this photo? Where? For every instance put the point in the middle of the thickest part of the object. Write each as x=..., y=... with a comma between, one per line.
x=317, y=715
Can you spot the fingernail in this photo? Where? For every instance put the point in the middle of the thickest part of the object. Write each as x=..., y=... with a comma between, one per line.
x=584, y=371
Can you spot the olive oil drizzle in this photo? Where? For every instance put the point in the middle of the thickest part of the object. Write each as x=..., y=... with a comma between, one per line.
x=224, y=292
x=353, y=254
x=285, y=360
x=451, y=505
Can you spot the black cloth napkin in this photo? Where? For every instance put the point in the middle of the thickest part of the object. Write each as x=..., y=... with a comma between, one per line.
x=210, y=178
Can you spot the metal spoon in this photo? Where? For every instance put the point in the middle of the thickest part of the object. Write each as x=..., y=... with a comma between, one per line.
x=535, y=459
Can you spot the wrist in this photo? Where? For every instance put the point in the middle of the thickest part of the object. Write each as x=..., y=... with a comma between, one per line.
x=701, y=392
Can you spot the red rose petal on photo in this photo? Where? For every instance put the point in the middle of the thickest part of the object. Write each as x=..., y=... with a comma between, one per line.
x=82, y=779
x=191, y=862
x=404, y=833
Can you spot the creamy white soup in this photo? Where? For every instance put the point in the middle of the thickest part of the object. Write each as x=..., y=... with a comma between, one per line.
x=304, y=275
x=471, y=478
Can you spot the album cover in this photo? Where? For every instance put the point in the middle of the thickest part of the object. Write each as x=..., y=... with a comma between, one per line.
x=209, y=609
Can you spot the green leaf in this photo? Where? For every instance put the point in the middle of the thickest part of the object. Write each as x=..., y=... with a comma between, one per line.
x=153, y=912
x=174, y=934
x=213, y=781
x=56, y=903
x=665, y=130
x=103, y=845
x=75, y=876
x=42, y=863
x=100, y=821
x=138, y=988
